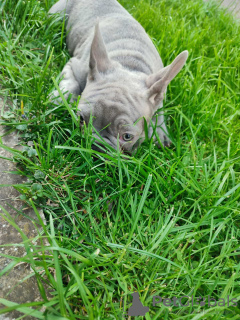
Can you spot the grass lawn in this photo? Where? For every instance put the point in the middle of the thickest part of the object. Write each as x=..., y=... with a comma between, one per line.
x=164, y=222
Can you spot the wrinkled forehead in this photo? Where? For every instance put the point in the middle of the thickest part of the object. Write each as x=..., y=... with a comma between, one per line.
x=115, y=120
x=114, y=112
x=114, y=96
x=109, y=109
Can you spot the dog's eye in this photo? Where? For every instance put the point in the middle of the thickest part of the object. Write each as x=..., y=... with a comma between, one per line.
x=127, y=137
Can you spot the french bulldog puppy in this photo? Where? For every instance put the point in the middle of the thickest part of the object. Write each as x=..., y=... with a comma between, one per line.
x=117, y=71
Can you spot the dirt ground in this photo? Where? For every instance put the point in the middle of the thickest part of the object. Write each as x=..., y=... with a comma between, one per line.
x=11, y=286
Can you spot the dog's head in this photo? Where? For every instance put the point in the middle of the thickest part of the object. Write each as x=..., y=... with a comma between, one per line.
x=119, y=100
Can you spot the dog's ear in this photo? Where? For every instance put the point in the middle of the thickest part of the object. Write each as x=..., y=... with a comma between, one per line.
x=99, y=60
x=157, y=83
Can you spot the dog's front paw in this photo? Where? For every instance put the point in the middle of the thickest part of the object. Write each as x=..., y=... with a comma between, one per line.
x=55, y=98
x=162, y=134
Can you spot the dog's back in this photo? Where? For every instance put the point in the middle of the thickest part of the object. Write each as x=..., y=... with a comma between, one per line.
x=125, y=39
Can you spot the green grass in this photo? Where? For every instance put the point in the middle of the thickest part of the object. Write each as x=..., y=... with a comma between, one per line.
x=163, y=222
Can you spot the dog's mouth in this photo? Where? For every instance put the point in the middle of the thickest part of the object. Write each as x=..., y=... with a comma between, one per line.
x=103, y=147
x=99, y=147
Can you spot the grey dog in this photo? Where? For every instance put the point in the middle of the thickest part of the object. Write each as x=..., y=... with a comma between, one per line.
x=117, y=71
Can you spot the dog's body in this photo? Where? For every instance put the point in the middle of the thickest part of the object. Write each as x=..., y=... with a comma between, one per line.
x=116, y=69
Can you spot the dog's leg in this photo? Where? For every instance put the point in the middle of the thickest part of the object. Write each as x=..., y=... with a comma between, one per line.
x=70, y=84
x=60, y=6
x=161, y=129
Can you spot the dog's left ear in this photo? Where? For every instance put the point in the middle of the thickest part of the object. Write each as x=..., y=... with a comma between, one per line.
x=99, y=60
x=157, y=83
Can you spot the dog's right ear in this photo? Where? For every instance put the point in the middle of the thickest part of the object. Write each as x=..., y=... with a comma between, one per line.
x=158, y=82
x=99, y=60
